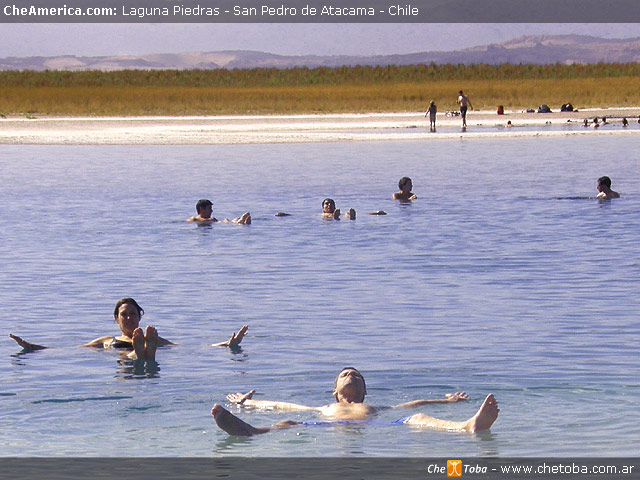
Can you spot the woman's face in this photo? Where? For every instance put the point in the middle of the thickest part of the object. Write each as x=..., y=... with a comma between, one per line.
x=128, y=319
x=328, y=206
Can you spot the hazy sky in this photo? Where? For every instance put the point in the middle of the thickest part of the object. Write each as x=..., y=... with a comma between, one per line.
x=22, y=40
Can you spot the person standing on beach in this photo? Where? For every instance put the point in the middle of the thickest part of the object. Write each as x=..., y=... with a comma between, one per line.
x=431, y=111
x=464, y=103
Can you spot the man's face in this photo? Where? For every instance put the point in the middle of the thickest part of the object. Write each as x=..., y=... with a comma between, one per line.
x=206, y=211
x=350, y=386
x=598, y=186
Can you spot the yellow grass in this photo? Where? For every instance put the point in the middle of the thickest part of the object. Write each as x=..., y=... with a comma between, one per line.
x=206, y=100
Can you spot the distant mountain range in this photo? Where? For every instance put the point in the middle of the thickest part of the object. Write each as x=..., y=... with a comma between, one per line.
x=538, y=49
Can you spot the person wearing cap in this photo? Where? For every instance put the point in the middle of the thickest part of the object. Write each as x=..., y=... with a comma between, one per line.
x=349, y=390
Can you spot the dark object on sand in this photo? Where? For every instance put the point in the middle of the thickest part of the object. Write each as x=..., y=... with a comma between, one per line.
x=500, y=110
x=567, y=107
x=544, y=108
x=530, y=110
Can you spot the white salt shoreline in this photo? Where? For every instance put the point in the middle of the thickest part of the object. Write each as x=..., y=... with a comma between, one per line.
x=240, y=129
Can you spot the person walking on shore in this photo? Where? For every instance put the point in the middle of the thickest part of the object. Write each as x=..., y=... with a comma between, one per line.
x=464, y=102
x=431, y=111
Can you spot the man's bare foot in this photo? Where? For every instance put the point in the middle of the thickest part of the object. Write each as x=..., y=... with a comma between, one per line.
x=151, y=343
x=232, y=424
x=485, y=416
x=138, y=343
x=352, y=214
x=245, y=219
x=336, y=214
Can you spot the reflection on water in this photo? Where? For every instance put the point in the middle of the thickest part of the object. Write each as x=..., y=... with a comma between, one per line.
x=129, y=368
x=505, y=276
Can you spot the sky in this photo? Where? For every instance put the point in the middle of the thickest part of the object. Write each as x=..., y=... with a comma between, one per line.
x=23, y=40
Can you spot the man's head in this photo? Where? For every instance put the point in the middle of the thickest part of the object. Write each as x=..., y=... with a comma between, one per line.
x=349, y=386
x=405, y=184
x=204, y=208
x=460, y=92
x=603, y=182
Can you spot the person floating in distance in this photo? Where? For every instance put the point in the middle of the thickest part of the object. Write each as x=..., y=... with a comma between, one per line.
x=204, y=208
x=604, y=189
x=329, y=210
x=405, y=194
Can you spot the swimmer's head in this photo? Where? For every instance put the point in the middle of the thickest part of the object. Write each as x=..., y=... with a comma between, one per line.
x=432, y=102
x=350, y=382
x=127, y=315
x=328, y=205
x=203, y=205
x=405, y=183
x=603, y=181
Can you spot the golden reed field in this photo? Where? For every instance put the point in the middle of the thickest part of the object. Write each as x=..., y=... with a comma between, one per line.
x=318, y=90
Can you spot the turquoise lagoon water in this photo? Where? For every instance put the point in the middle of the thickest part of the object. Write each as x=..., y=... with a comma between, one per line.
x=503, y=277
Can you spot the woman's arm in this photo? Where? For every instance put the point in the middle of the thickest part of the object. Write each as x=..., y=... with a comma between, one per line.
x=26, y=345
x=163, y=341
x=99, y=342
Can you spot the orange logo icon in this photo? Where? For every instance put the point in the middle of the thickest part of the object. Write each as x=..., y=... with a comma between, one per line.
x=454, y=468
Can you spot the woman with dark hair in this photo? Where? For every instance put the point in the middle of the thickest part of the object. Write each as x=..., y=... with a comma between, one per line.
x=143, y=344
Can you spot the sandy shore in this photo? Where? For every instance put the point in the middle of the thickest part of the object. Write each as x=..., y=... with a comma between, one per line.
x=300, y=128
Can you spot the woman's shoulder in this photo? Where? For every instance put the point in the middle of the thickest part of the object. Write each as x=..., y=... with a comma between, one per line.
x=104, y=341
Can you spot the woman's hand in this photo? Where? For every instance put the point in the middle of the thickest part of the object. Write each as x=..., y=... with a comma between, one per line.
x=26, y=345
x=235, y=339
